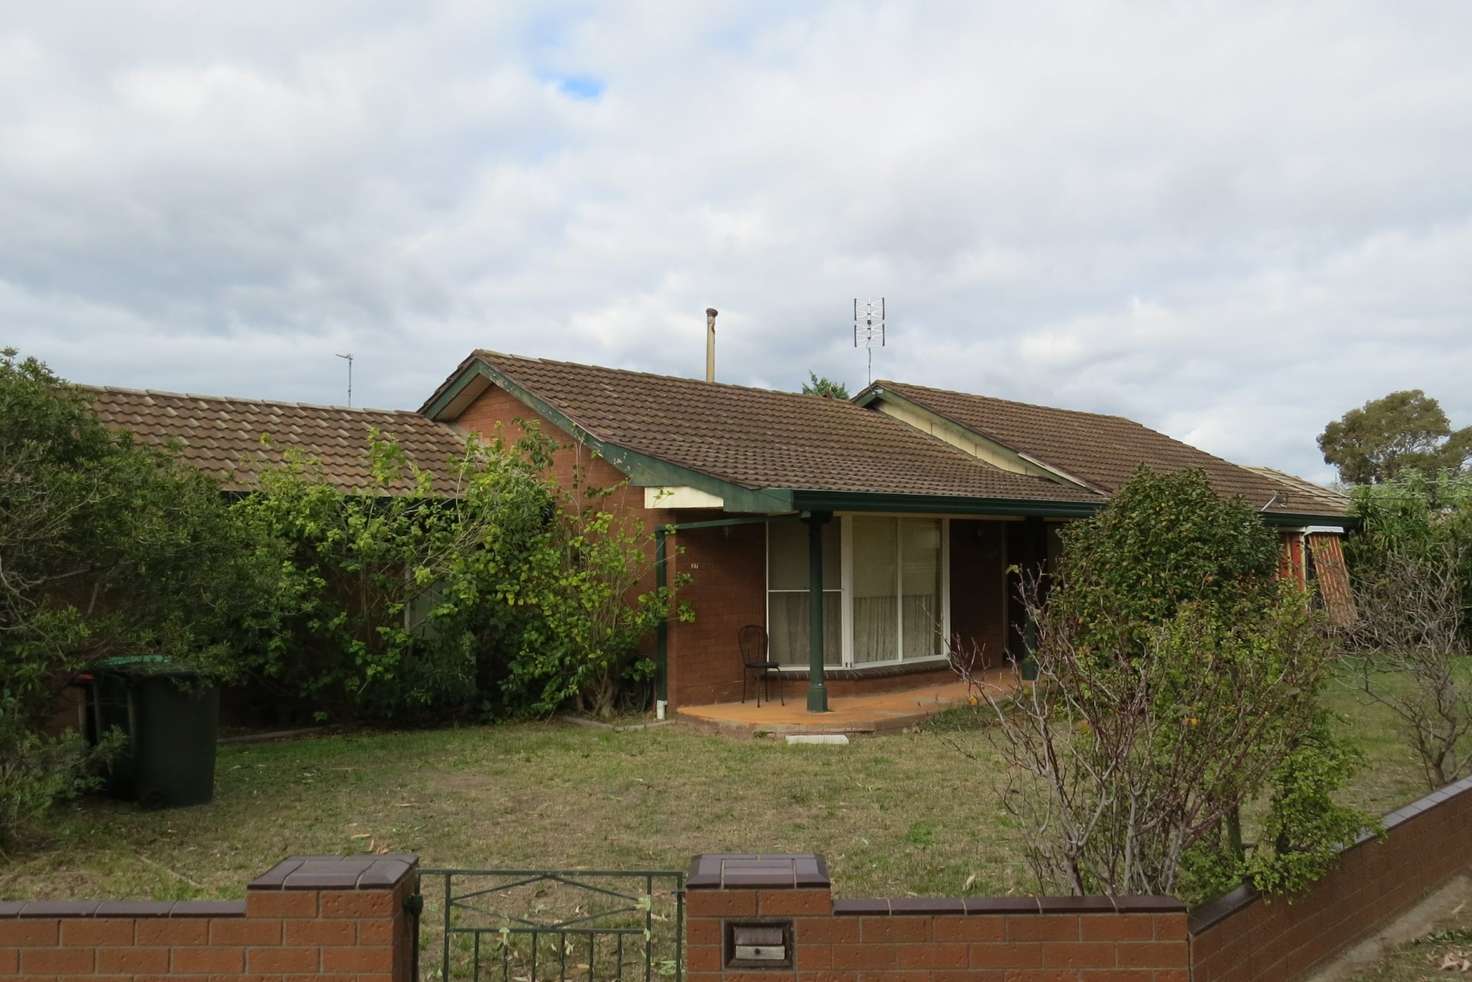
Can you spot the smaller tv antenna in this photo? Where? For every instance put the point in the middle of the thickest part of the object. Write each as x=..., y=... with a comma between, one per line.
x=349, y=359
x=869, y=328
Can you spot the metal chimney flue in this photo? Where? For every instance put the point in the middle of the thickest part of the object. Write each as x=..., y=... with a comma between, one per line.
x=710, y=343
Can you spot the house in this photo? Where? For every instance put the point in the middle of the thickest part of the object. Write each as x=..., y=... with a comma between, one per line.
x=235, y=440
x=862, y=534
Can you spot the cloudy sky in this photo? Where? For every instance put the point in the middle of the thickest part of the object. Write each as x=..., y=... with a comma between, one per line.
x=1230, y=221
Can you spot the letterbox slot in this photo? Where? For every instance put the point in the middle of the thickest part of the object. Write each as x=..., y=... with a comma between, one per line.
x=758, y=944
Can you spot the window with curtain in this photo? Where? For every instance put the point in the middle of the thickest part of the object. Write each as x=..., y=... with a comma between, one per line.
x=897, y=588
x=876, y=610
x=920, y=588
x=787, y=593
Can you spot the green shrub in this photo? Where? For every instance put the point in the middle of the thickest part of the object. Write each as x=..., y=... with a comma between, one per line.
x=512, y=595
x=37, y=772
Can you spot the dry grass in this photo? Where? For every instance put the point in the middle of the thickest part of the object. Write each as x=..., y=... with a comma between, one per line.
x=893, y=814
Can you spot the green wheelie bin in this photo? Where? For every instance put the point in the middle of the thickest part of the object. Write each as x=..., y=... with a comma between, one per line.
x=170, y=715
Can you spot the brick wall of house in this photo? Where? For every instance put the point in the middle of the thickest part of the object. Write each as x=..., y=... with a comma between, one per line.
x=1243, y=938
x=727, y=590
x=341, y=920
x=910, y=939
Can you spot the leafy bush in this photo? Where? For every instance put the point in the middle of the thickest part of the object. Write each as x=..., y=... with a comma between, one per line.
x=38, y=771
x=1163, y=540
x=504, y=594
x=106, y=548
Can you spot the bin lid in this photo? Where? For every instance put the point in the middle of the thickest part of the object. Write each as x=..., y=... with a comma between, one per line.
x=145, y=665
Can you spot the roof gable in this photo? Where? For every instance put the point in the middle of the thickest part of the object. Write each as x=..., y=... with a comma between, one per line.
x=1099, y=450
x=223, y=437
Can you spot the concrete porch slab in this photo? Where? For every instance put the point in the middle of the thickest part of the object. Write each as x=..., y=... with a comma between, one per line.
x=869, y=713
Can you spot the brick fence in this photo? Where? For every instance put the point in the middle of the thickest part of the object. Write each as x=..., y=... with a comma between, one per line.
x=314, y=917
x=1242, y=937
x=754, y=918
x=908, y=939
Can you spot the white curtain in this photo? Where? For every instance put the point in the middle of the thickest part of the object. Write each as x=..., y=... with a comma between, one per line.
x=787, y=599
x=876, y=613
x=920, y=576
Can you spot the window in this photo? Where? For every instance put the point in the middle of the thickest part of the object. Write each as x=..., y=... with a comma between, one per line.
x=787, y=594
x=884, y=590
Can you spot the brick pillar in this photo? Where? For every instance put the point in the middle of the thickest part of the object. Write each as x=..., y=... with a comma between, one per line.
x=724, y=890
x=337, y=917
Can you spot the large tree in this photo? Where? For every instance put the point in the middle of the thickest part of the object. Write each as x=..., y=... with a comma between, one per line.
x=1403, y=430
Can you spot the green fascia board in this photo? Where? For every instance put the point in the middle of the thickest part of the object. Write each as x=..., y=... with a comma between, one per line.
x=940, y=504
x=1295, y=520
x=641, y=469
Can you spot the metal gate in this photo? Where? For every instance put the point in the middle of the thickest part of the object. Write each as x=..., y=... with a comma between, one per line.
x=519, y=925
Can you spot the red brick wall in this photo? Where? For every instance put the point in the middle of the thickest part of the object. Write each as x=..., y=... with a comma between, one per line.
x=1006, y=939
x=342, y=920
x=727, y=590
x=1241, y=937
x=1290, y=557
x=496, y=411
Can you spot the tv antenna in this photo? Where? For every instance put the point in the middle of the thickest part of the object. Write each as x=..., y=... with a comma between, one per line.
x=869, y=328
x=349, y=359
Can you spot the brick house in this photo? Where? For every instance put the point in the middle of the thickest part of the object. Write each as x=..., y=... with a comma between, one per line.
x=863, y=535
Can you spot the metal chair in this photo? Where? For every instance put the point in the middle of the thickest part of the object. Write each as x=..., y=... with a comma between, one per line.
x=752, y=640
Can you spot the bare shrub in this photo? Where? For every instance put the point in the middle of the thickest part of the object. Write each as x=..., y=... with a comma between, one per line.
x=1120, y=763
x=1410, y=652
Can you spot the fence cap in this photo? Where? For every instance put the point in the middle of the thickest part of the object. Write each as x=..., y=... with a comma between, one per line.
x=336, y=872
x=727, y=870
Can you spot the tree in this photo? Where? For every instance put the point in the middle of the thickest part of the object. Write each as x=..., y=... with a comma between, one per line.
x=1392, y=434
x=106, y=548
x=821, y=385
x=1178, y=678
x=1415, y=518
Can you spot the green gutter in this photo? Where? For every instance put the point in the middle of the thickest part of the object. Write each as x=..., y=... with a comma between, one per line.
x=1294, y=520
x=940, y=504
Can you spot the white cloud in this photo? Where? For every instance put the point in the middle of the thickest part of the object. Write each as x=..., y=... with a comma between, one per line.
x=1230, y=221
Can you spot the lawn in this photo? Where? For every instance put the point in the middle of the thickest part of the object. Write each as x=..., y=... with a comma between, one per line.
x=893, y=814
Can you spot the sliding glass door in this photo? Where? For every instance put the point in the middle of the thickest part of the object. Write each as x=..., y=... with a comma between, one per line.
x=876, y=611
x=787, y=594
x=884, y=599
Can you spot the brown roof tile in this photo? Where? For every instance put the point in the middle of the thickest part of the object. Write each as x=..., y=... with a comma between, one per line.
x=759, y=438
x=1103, y=450
x=1333, y=502
x=223, y=436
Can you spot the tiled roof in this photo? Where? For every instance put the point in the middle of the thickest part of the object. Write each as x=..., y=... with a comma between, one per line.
x=223, y=436
x=1334, y=501
x=759, y=438
x=1101, y=450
